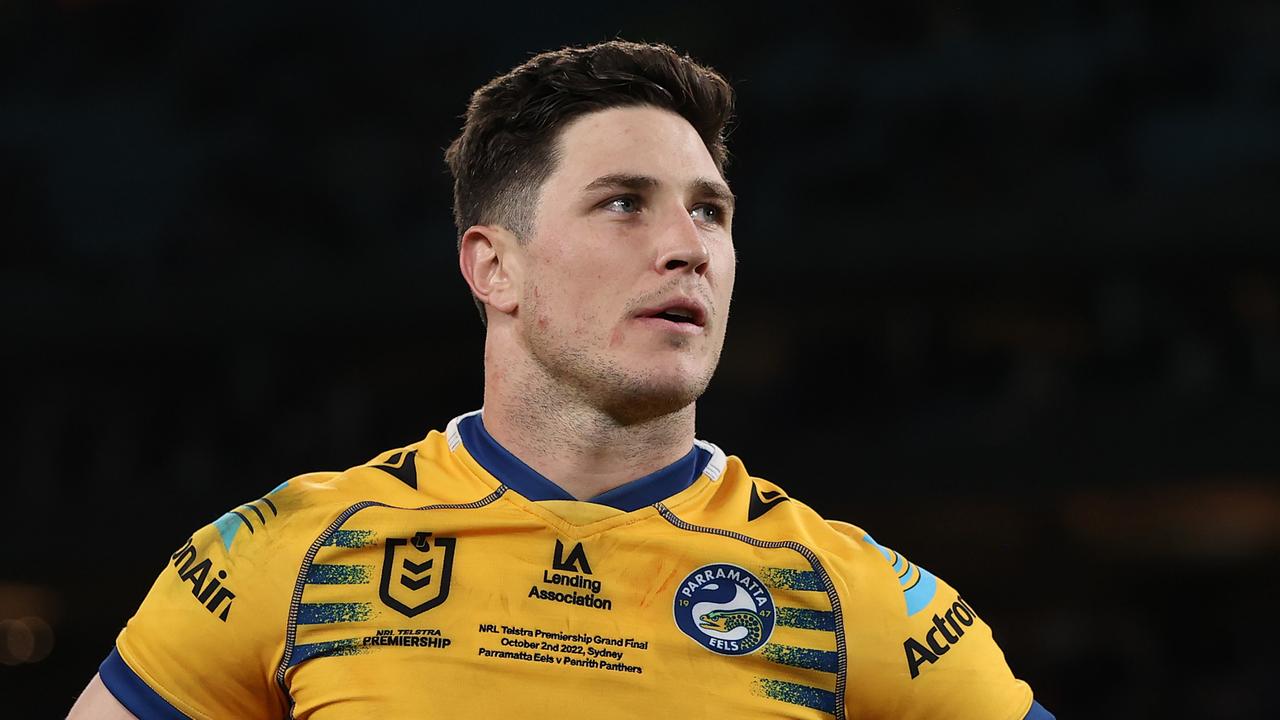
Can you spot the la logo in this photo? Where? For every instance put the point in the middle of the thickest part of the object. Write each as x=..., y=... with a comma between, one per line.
x=576, y=562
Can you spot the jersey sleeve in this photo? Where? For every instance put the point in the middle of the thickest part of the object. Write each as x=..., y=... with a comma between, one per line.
x=206, y=640
x=918, y=649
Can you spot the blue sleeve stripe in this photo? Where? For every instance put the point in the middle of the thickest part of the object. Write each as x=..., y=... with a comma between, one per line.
x=133, y=693
x=1037, y=712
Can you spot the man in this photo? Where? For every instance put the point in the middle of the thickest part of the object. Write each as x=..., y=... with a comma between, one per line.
x=572, y=551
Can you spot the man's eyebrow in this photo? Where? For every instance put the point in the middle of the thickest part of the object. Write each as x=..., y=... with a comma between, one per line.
x=623, y=181
x=716, y=190
x=627, y=181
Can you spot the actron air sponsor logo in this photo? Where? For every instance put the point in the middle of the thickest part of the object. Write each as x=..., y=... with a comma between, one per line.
x=207, y=585
x=948, y=629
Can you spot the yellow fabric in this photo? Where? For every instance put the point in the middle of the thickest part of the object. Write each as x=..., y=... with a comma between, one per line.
x=342, y=584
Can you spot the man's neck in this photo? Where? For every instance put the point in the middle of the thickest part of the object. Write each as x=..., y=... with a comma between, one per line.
x=579, y=447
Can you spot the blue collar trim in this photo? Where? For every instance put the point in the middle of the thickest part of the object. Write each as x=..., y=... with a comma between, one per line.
x=512, y=472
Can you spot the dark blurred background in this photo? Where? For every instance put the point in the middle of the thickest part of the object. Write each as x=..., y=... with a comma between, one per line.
x=1009, y=298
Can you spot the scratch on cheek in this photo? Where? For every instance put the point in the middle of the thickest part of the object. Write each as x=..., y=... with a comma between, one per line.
x=615, y=338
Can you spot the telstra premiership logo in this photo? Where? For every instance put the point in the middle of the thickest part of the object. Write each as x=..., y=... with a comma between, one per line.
x=416, y=572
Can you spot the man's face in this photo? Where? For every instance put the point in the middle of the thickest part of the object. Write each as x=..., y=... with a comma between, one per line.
x=630, y=268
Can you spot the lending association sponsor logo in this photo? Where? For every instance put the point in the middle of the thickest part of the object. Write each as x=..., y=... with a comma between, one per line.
x=725, y=609
x=571, y=571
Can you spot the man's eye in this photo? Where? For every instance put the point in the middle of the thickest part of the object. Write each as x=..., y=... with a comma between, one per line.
x=623, y=205
x=707, y=213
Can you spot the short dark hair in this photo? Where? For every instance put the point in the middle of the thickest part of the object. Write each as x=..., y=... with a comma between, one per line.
x=507, y=147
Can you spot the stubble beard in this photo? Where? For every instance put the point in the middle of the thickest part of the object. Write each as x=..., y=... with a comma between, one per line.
x=627, y=395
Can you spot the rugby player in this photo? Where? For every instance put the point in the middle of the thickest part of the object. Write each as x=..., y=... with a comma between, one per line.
x=571, y=550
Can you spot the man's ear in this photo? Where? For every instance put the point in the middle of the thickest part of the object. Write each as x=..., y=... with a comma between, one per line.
x=489, y=257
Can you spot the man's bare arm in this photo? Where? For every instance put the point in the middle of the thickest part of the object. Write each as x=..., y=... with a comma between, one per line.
x=97, y=703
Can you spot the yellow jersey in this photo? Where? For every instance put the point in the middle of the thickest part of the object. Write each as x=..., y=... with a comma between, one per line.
x=448, y=579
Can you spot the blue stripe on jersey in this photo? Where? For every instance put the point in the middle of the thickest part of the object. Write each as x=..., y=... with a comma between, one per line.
x=918, y=585
x=787, y=579
x=339, y=574
x=899, y=564
x=137, y=696
x=807, y=658
x=351, y=539
x=806, y=619
x=921, y=594
x=515, y=474
x=337, y=612
x=331, y=648
x=227, y=525
x=788, y=692
x=1037, y=712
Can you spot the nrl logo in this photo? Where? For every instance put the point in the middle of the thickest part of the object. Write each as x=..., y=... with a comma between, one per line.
x=415, y=573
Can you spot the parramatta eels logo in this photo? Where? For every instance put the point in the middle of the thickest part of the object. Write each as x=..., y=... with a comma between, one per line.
x=725, y=609
x=415, y=573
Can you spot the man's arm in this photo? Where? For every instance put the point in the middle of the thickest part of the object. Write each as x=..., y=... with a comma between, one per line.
x=97, y=703
x=949, y=663
x=205, y=642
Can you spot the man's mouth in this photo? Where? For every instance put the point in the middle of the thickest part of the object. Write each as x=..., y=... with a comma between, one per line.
x=677, y=316
x=680, y=311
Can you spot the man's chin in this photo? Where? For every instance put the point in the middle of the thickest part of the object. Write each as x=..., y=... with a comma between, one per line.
x=643, y=409
x=649, y=399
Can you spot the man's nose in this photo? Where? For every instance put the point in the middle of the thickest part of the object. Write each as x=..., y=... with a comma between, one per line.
x=682, y=247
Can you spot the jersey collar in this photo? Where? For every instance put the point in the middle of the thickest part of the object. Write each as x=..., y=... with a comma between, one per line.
x=515, y=474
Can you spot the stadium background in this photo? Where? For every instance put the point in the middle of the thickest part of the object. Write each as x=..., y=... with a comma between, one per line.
x=1008, y=297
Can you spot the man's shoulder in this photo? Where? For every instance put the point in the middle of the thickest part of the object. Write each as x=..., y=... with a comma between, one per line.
x=763, y=511
x=760, y=511
x=891, y=588
x=297, y=511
